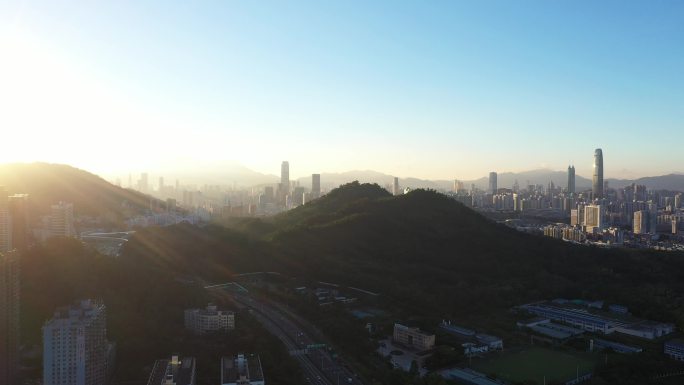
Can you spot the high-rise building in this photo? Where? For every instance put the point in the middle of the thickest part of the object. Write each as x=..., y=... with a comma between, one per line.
x=678, y=201
x=176, y=371
x=571, y=179
x=593, y=218
x=5, y=222
x=285, y=177
x=18, y=209
x=395, y=186
x=242, y=370
x=143, y=183
x=492, y=183
x=315, y=186
x=641, y=222
x=160, y=188
x=62, y=220
x=597, y=182
x=75, y=347
x=9, y=318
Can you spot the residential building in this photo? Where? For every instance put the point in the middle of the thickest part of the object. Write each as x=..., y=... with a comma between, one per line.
x=9, y=317
x=18, y=210
x=593, y=218
x=674, y=349
x=413, y=337
x=5, y=222
x=75, y=346
x=62, y=220
x=242, y=370
x=209, y=320
x=175, y=371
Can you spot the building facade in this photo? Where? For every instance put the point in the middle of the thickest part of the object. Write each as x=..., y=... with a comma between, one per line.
x=175, y=371
x=62, y=220
x=9, y=318
x=209, y=320
x=242, y=370
x=571, y=179
x=5, y=222
x=413, y=337
x=315, y=186
x=674, y=349
x=75, y=346
x=493, y=186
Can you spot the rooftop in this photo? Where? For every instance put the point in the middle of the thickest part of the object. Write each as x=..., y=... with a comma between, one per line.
x=241, y=366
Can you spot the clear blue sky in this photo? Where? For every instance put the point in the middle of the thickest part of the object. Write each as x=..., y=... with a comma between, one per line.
x=432, y=89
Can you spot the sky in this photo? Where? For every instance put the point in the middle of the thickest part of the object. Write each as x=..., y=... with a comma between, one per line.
x=429, y=89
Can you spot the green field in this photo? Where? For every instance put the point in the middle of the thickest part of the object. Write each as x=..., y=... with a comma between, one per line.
x=535, y=364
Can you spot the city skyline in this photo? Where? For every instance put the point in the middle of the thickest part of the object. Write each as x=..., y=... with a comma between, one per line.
x=108, y=89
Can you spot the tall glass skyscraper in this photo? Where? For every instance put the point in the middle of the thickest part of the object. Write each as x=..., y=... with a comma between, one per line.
x=571, y=179
x=597, y=185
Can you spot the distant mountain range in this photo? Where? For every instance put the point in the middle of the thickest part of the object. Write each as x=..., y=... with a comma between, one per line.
x=504, y=180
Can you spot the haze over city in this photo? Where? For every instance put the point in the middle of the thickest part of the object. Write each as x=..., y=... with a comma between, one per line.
x=436, y=192
x=439, y=91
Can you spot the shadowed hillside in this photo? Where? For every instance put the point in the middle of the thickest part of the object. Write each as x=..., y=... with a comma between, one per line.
x=425, y=251
x=48, y=184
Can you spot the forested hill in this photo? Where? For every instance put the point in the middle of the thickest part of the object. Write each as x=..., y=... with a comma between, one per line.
x=425, y=251
x=48, y=184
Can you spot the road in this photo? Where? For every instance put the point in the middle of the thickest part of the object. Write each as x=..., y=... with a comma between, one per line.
x=319, y=368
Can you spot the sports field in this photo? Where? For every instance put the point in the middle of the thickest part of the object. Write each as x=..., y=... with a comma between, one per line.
x=535, y=364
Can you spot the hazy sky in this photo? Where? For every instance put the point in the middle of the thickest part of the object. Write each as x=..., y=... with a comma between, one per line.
x=432, y=89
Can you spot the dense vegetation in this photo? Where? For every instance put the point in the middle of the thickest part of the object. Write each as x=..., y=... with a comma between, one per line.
x=145, y=307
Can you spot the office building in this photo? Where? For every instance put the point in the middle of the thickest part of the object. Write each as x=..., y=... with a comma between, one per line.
x=571, y=179
x=315, y=186
x=62, y=220
x=175, y=371
x=597, y=181
x=674, y=349
x=413, y=337
x=75, y=347
x=492, y=183
x=678, y=201
x=285, y=177
x=242, y=370
x=593, y=218
x=9, y=317
x=209, y=320
x=5, y=222
x=18, y=210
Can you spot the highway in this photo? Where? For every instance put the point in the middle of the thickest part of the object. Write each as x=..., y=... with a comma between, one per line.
x=319, y=368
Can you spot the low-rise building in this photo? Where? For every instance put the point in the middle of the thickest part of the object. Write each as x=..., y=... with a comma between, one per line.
x=413, y=337
x=675, y=349
x=242, y=370
x=174, y=371
x=599, y=344
x=209, y=320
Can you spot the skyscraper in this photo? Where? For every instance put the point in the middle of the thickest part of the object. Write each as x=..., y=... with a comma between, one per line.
x=492, y=183
x=9, y=317
x=75, y=347
x=395, y=186
x=593, y=218
x=62, y=220
x=18, y=209
x=285, y=177
x=597, y=185
x=571, y=179
x=315, y=185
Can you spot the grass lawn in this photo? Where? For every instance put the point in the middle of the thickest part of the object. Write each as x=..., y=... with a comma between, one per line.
x=535, y=364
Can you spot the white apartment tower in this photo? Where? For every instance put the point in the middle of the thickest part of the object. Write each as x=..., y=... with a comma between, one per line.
x=62, y=220
x=75, y=347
